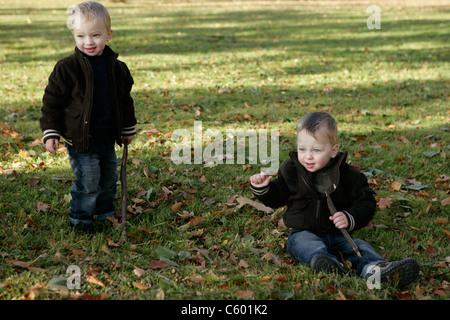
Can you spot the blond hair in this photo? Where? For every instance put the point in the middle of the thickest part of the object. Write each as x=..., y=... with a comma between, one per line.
x=322, y=122
x=89, y=11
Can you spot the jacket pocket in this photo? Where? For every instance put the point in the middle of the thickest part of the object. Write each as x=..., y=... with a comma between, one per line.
x=72, y=121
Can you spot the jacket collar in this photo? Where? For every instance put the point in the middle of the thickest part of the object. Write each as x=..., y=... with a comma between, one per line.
x=110, y=54
x=337, y=164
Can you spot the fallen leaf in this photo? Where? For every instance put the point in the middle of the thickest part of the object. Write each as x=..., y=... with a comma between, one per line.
x=176, y=207
x=21, y=264
x=138, y=271
x=78, y=253
x=94, y=280
x=418, y=292
x=330, y=288
x=243, y=294
x=196, y=220
x=194, y=279
x=430, y=250
x=384, y=203
x=40, y=206
x=102, y=296
x=396, y=185
x=140, y=286
x=405, y=295
x=445, y=202
x=158, y=264
x=259, y=206
x=441, y=220
x=243, y=264
x=33, y=291
x=136, y=162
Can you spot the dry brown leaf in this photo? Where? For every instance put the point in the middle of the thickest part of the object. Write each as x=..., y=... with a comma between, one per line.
x=138, y=271
x=78, y=253
x=441, y=220
x=33, y=291
x=21, y=264
x=259, y=206
x=94, y=280
x=102, y=296
x=177, y=206
x=243, y=264
x=243, y=294
x=40, y=206
x=445, y=202
x=194, y=279
x=384, y=203
x=140, y=286
x=158, y=264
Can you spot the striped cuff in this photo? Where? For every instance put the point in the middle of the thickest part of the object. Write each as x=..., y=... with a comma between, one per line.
x=259, y=191
x=351, y=221
x=129, y=131
x=51, y=133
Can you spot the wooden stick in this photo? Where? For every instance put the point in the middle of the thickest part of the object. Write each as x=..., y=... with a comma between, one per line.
x=123, y=181
x=343, y=231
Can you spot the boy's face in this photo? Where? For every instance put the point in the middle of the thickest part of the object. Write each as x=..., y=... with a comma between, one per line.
x=91, y=36
x=315, y=153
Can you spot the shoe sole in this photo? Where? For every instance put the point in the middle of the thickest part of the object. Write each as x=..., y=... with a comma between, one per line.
x=403, y=272
x=326, y=264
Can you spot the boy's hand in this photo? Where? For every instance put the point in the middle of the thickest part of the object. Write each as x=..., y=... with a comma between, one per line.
x=127, y=139
x=52, y=145
x=260, y=180
x=340, y=220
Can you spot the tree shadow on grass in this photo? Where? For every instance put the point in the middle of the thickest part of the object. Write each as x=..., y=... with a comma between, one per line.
x=191, y=32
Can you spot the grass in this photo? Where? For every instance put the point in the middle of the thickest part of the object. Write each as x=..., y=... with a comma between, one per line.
x=246, y=65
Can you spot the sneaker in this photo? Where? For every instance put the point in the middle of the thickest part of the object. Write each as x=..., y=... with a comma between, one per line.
x=404, y=271
x=83, y=228
x=325, y=263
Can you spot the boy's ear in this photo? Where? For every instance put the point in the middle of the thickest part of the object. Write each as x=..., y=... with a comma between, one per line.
x=335, y=150
x=110, y=34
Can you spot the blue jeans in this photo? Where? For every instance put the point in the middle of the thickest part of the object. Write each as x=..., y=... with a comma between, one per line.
x=302, y=245
x=94, y=189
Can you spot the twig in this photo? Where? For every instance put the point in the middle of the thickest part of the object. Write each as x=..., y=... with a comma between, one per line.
x=123, y=181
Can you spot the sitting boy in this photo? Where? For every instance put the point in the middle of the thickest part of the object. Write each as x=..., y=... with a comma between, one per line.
x=303, y=180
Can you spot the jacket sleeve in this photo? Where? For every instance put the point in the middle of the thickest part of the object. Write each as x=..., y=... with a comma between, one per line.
x=129, y=119
x=276, y=194
x=56, y=95
x=363, y=207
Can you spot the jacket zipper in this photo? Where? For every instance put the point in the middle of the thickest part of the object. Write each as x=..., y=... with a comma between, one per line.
x=317, y=214
x=87, y=113
x=316, y=220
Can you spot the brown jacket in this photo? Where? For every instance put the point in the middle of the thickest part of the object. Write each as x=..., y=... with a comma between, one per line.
x=68, y=98
x=307, y=209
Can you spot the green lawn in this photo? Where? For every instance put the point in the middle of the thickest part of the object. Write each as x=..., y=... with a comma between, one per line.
x=246, y=65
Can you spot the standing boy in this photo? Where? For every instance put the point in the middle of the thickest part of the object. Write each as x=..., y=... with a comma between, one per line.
x=87, y=102
x=318, y=168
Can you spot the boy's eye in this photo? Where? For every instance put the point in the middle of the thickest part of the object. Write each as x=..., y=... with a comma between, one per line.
x=316, y=150
x=96, y=35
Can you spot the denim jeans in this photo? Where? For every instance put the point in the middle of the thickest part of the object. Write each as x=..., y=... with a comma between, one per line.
x=94, y=189
x=302, y=245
